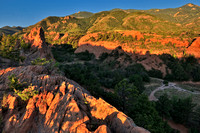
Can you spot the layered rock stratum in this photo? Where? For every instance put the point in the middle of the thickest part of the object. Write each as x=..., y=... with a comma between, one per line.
x=61, y=106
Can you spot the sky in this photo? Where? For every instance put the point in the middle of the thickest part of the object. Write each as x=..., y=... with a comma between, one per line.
x=28, y=12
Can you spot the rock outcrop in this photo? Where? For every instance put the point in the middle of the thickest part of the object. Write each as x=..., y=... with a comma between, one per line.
x=39, y=48
x=152, y=61
x=61, y=106
x=194, y=48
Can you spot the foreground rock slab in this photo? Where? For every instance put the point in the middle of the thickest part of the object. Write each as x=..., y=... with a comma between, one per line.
x=61, y=106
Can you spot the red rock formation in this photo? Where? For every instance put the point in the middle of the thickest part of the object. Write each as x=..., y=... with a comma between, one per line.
x=194, y=48
x=68, y=17
x=36, y=37
x=39, y=48
x=135, y=34
x=61, y=106
x=180, y=44
x=152, y=61
x=65, y=36
x=56, y=37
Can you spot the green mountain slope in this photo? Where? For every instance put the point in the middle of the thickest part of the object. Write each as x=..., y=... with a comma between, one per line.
x=182, y=15
x=173, y=21
x=62, y=24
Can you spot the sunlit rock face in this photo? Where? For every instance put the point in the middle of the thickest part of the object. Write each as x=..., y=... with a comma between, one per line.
x=60, y=106
x=39, y=48
x=36, y=37
x=194, y=48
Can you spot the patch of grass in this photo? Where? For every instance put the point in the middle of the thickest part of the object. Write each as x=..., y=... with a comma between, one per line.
x=152, y=85
x=150, y=88
x=180, y=94
x=188, y=87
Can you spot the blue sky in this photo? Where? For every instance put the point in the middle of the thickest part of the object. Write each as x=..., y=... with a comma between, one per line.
x=29, y=12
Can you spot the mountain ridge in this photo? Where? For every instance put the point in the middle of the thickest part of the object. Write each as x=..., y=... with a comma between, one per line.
x=78, y=23
x=10, y=30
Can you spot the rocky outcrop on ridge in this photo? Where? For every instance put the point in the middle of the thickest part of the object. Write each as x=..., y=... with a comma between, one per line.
x=39, y=48
x=61, y=106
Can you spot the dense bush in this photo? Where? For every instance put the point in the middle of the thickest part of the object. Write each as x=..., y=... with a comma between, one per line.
x=103, y=56
x=155, y=73
x=10, y=47
x=86, y=56
x=145, y=115
x=63, y=52
x=24, y=45
x=137, y=69
x=126, y=92
x=183, y=69
x=177, y=109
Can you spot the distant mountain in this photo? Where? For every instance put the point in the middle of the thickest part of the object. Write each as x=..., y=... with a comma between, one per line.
x=10, y=30
x=184, y=15
x=162, y=21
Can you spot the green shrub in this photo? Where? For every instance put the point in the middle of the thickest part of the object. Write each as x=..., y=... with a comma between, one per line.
x=14, y=83
x=8, y=47
x=24, y=45
x=27, y=93
x=18, y=88
x=40, y=61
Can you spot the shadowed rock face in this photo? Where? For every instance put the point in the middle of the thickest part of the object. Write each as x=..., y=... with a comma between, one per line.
x=61, y=106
